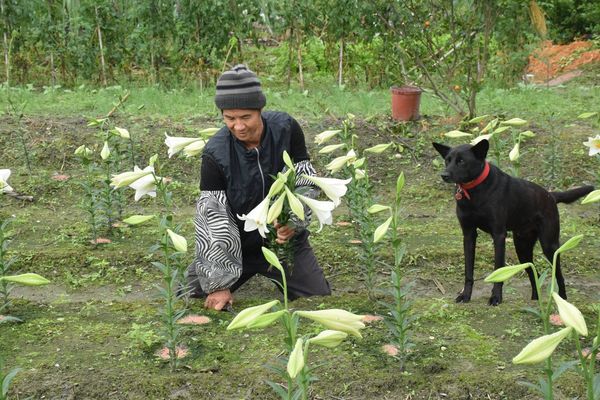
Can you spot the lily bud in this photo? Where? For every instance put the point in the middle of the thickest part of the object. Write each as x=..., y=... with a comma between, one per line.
x=541, y=348
x=275, y=209
x=265, y=320
x=296, y=361
x=105, y=153
x=375, y=208
x=514, y=153
x=505, y=273
x=514, y=122
x=124, y=133
x=250, y=314
x=331, y=148
x=272, y=259
x=570, y=315
x=339, y=320
x=381, y=230
x=28, y=279
x=457, y=134
x=137, y=219
x=377, y=149
x=295, y=204
x=328, y=338
x=179, y=241
x=592, y=197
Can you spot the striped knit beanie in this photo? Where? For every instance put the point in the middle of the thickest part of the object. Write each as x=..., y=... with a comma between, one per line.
x=239, y=88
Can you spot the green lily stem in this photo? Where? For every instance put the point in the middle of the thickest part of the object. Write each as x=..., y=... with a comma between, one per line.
x=545, y=316
x=304, y=375
x=585, y=368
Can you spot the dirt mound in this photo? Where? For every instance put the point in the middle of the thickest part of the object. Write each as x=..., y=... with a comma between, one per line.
x=552, y=61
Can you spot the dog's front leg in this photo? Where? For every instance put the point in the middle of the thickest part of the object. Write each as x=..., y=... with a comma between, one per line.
x=469, y=241
x=499, y=260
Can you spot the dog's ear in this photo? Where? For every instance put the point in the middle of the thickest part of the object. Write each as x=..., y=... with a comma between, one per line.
x=441, y=148
x=480, y=149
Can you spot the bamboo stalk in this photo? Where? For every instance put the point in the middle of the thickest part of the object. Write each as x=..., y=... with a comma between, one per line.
x=341, y=63
x=102, y=63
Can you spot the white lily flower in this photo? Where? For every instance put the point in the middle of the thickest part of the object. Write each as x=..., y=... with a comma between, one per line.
x=105, y=153
x=322, y=209
x=176, y=144
x=325, y=136
x=570, y=315
x=336, y=319
x=129, y=177
x=179, y=241
x=194, y=149
x=4, y=186
x=338, y=163
x=296, y=360
x=257, y=218
x=593, y=144
x=333, y=188
x=146, y=185
x=124, y=133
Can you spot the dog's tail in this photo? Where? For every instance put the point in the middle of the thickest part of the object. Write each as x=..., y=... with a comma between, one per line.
x=571, y=195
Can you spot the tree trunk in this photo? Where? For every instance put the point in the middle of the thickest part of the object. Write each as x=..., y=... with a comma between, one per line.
x=102, y=64
x=300, y=73
x=341, y=64
x=6, y=47
x=52, y=69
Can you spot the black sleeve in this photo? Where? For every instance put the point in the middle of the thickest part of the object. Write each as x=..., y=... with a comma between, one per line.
x=298, y=150
x=211, y=176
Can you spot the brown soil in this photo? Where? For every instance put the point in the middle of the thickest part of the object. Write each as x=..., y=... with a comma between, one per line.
x=553, y=60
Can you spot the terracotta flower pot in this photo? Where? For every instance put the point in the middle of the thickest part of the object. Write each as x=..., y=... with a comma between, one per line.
x=405, y=102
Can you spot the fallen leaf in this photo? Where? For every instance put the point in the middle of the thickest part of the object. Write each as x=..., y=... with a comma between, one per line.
x=60, y=177
x=100, y=241
x=556, y=320
x=194, y=320
x=390, y=349
x=180, y=351
x=371, y=318
x=587, y=351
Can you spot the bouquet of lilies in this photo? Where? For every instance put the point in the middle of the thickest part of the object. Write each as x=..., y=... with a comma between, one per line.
x=285, y=202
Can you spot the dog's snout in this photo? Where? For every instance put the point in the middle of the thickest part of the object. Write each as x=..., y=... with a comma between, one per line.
x=446, y=176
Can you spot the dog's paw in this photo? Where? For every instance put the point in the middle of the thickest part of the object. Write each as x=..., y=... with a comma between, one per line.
x=462, y=298
x=495, y=300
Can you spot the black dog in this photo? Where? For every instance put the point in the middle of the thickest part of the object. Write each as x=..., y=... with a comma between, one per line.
x=495, y=202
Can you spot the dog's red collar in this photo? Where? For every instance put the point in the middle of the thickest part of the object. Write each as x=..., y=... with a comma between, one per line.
x=462, y=188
